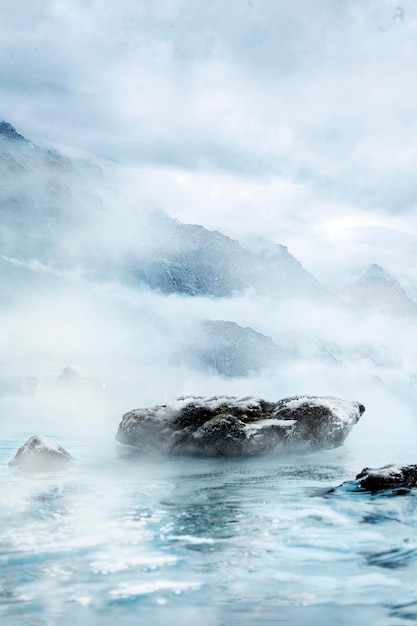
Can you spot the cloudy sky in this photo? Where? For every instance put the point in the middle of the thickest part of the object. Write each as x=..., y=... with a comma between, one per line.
x=294, y=120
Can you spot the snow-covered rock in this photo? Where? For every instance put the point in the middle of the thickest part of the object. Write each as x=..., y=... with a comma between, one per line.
x=227, y=426
x=391, y=476
x=41, y=454
x=388, y=477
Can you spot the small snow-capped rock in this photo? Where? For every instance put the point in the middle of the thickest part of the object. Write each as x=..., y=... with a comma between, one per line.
x=228, y=426
x=41, y=454
x=393, y=476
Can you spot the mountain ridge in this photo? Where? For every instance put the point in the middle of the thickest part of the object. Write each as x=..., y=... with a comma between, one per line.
x=46, y=201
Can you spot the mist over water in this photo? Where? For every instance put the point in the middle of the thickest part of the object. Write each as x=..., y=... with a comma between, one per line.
x=221, y=541
x=189, y=205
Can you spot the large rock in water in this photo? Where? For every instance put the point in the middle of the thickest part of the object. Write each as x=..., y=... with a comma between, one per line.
x=228, y=426
x=41, y=454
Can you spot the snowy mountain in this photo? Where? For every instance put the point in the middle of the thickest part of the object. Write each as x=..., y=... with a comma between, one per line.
x=49, y=204
x=44, y=199
x=232, y=350
x=377, y=291
x=194, y=261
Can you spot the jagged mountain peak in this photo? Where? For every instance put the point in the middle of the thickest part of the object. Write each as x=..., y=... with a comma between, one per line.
x=9, y=133
x=376, y=273
x=45, y=198
x=377, y=290
x=232, y=350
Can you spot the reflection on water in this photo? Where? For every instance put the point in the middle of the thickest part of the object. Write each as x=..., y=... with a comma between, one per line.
x=122, y=539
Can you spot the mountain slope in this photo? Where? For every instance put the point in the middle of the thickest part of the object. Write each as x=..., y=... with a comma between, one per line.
x=51, y=210
x=193, y=261
x=378, y=291
x=44, y=199
x=232, y=350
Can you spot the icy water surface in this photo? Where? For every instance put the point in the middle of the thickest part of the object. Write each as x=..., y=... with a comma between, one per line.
x=118, y=539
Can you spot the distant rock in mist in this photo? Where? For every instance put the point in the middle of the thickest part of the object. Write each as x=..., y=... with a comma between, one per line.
x=41, y=454
x=232, y=350
x=70, y=382
x=379, y=292
x=73, y=378
x=228, y=426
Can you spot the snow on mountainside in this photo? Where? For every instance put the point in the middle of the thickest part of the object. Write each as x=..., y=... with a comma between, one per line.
x=378, y=291
x=191, y=260
x=83, y=267
x=48, y=204
x=9, y=133
x=61, y=231
x=232, y=350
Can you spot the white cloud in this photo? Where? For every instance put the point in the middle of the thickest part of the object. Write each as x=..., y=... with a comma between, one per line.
x=294, y=121
x=281, y=115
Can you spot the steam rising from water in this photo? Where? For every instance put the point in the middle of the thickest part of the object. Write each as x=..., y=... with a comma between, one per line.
x=69, y=301
x=288, y=121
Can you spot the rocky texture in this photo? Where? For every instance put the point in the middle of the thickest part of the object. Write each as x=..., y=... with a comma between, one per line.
x=186, y=258
x=391, y=476
x=228, y=426
x=49, y=203
x=9, y=133
x=41, y=454
x=232, y=350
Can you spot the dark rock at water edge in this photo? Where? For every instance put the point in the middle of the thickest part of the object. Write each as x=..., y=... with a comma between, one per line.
x=41, y=454
x=229, y=426
x=391, y=476
x=394, y=478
